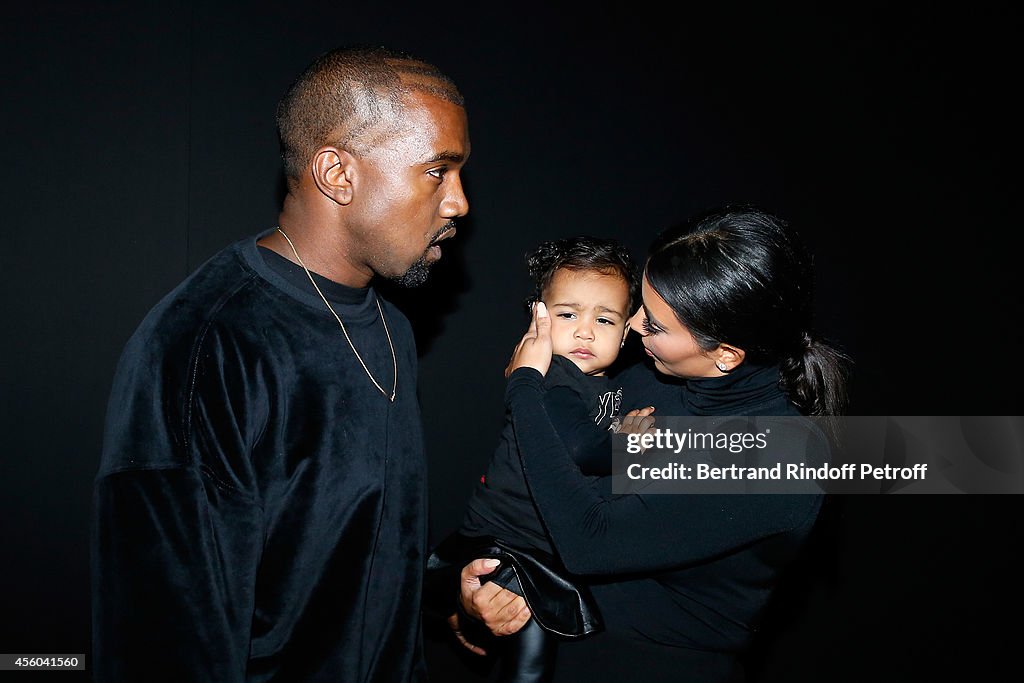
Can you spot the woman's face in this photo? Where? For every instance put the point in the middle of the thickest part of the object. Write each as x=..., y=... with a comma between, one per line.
x=667, y=341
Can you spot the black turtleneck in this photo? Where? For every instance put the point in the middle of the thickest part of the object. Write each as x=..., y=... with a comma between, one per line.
x=683, y=571
x=747, y=390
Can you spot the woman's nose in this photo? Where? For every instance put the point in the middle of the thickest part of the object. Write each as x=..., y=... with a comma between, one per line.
x=636, y=323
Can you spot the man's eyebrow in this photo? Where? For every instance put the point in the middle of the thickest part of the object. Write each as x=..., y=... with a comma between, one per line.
x=454, y=157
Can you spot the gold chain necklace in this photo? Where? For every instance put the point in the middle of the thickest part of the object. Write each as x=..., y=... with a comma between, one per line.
x=394, y=388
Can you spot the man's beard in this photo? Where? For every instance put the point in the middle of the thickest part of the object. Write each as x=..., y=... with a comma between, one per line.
x=418, y=272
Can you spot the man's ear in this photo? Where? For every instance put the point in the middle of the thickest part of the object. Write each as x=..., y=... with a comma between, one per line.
x=728, y=357
x=332, y=171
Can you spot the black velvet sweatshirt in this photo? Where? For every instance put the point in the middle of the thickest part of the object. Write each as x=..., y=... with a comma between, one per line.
x=683, y=571
x=260, y=507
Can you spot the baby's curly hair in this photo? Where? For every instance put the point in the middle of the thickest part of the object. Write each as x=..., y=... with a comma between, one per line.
x=605, y=256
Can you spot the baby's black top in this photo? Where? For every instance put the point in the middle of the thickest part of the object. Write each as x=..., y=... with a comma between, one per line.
x=582, y=409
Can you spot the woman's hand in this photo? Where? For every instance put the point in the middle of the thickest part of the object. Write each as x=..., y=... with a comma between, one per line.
x=501, y=610
x=456, y=627
x=534, y=349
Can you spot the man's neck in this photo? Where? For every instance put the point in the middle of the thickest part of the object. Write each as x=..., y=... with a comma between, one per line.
x=308, y=241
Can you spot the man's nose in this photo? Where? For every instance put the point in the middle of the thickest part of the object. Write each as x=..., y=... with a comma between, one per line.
x=455, y=203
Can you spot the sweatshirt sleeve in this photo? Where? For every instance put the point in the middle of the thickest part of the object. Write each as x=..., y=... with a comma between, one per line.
x=632, y=533
x=175, y=539
x=174, y=559
x=588, y=445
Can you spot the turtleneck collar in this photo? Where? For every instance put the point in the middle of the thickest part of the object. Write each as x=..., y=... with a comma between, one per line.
x=747, y=390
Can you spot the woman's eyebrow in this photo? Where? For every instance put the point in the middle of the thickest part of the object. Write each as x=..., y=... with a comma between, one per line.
x=651, y=318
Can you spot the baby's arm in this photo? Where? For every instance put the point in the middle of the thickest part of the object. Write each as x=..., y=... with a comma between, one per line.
x=589, y=446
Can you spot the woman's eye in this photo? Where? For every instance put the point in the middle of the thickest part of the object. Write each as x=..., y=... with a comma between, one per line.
x=648, y=328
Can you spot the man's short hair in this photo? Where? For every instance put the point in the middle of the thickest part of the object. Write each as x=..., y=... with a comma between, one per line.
x=350, y=97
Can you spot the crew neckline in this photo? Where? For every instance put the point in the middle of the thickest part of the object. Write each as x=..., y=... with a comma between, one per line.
x=291, y=279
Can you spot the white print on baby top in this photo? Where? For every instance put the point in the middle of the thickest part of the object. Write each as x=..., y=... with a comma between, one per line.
x=608, y=406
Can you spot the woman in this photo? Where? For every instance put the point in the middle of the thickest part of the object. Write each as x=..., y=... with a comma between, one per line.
x=681, y=579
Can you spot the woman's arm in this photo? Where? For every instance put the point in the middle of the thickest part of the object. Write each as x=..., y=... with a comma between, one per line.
x=631, y=533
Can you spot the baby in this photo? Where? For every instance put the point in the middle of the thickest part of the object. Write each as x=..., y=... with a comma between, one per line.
x=589, y=286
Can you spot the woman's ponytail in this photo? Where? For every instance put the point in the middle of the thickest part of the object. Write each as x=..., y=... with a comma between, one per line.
x=815, y=377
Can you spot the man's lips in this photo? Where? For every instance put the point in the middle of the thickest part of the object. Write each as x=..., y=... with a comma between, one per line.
x=448, y=232
x=434, y=249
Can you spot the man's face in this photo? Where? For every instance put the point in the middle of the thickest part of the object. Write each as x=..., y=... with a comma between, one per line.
x=588, y=317
x=410, y=189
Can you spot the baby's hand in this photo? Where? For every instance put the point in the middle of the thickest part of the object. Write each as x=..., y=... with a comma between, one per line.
x=638, y=421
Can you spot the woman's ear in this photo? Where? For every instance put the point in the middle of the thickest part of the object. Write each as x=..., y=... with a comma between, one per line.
x=333, y=171
x=728, y=357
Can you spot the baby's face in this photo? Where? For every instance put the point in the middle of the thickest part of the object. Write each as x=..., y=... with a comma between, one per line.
x=588, y=317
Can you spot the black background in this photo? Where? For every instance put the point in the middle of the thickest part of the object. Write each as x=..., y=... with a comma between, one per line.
x=139, y=139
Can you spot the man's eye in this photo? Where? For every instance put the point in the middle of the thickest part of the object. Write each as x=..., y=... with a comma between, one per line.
x=438, y=172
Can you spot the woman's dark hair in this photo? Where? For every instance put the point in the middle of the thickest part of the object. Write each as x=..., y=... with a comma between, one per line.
x=741, y=276
x=605, y=256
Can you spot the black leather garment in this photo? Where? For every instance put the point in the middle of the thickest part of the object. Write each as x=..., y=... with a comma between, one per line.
x=560, y=603
x=527, y=656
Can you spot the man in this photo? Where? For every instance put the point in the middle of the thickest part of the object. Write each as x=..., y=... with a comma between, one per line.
x=260, y=508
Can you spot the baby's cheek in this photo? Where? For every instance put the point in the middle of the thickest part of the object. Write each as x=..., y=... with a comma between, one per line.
x=560, y=340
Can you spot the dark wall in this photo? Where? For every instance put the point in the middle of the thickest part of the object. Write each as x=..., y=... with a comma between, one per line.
x=140, y=140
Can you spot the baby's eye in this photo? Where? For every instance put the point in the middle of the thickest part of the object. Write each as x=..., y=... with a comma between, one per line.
x=605, y=321
x=567, y=316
